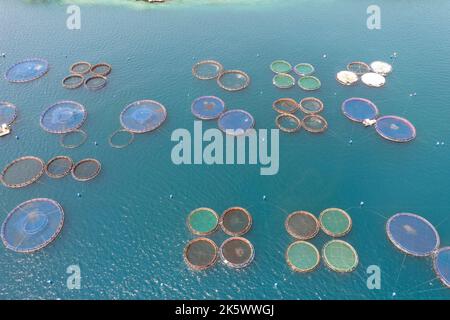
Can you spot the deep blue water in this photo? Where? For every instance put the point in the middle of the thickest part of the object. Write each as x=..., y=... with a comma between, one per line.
x=127, y=234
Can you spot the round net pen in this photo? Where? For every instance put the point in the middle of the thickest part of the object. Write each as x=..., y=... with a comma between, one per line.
x=8, y=113
x=73, y=81
x=340, y=256
x=233, y=80
x=236, y=122
x=287, y=122
x=374, y=80
x=347, y=78
x=314, y=123
x=412, y=234
x=27, y=70
x=59, y=167
x=311, y=105
x=207, y=107
x=121, y=138
x=81, y=67
x=283, y=81
x=380, y=67
x=395, y=129
x=202, y=221
x=441, y=265
x=335, y=222
x=302, y=256
x=86, y=169
x=143, y=116
x=280, y=66
x=235, y=221
x=304, y=69
x=102, y=69
x=309, y=83
x=73, y=139
x=200, y=254
x=95, y=82
x=32, y=225
x=358, y=67
x=207, y=70
x=285, y=105
x=359, y=109
x=302, y=225
x=63, y=117
x=22, y=172
x=237, y=252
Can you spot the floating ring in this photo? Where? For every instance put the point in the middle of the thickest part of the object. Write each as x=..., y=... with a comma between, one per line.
x=101, y=65
x=66, y=81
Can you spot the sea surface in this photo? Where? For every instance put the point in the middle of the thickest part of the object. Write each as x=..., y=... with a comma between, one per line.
x=128, y=230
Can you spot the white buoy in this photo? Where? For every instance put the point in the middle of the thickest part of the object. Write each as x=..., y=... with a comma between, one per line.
x=325, y=55
x=350, y=141
x=361, y=203
x=264, y=197
x=171, y=196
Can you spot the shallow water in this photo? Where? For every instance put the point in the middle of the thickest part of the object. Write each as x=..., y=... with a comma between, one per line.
x=127, y=234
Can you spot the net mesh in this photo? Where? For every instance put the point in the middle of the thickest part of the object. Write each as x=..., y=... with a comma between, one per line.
x=302, y=256
x=441, y=264
x=395, y=129
x=283, y=81
x=95, y=82
x=233, y=80
x=309, y=83
x=304, y=69
x=236, y=221
x=359, y=109
x=59, y=167
x=311, y=105
x=236, y=122
x=143, y=116
x=412, y=234
x=381, y=67
x=287, y=122
x=335, y=222
x=73, y=81
x=102, y=69
x=302, y=225
x=121, y=139
x=27, y=70
x=358, y=67
x=372, y=79
x=347, y=78
x=22, y=172
x=207, y=69
x=340, y=256
x=32, y=225
x=86, y=170
x=63, y=117
x=280, y=66
x=207, y=107
x=81, y=67
x=203, y=221
x=285, y=105
x=314, y=123
x=237, y=252
x=200, y=254
x=8, y=113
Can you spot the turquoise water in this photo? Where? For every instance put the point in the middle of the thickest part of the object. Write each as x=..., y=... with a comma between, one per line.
x=127, y=234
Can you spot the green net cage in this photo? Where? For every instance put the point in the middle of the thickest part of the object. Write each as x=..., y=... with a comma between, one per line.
x=340, y=256
x=302, y=256
x=335, y=222
x=202, y=221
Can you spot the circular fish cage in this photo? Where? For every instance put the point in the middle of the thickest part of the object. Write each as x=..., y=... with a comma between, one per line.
x=373, y=79
x=314, y=123
x=381, y=67
x=311, y=105
x=236, y=122
x=335, y=222
x=359, y=109
x=235, y=221
x=358, y=67
x=288, y=122
x=59, y=167
x=27, y=70
x=395, y=129
x=304, y=69
x=73, y=81
x=81, y=67
x=202, y=221
x=143, y=116
x=121, y=138
x=86, y=169
x=340, y=256
x=200, y=254
x=309, y=83
x=412, y=234
x=102, y=69
x=280, y=66
x=8, y=113
x=302, y=225
x=73, y=139
x=302, y=256
x=285, y=105
x=95, y=82
x=441, y=265
x=207, y=70
x=207, y=107
x=22, y=172
x=236, y=252
x=63, y=117
x=283, y=81
x=233, y=80
x=347, y=78
x=32, y=225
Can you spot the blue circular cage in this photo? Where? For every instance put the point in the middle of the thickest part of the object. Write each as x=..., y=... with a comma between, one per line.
x=359, y=109
x=27, y=70
x=8, y=113
x=63, y=117
x=236, y=122
x=395, y=129
x=143, y=116
x=207, y=107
